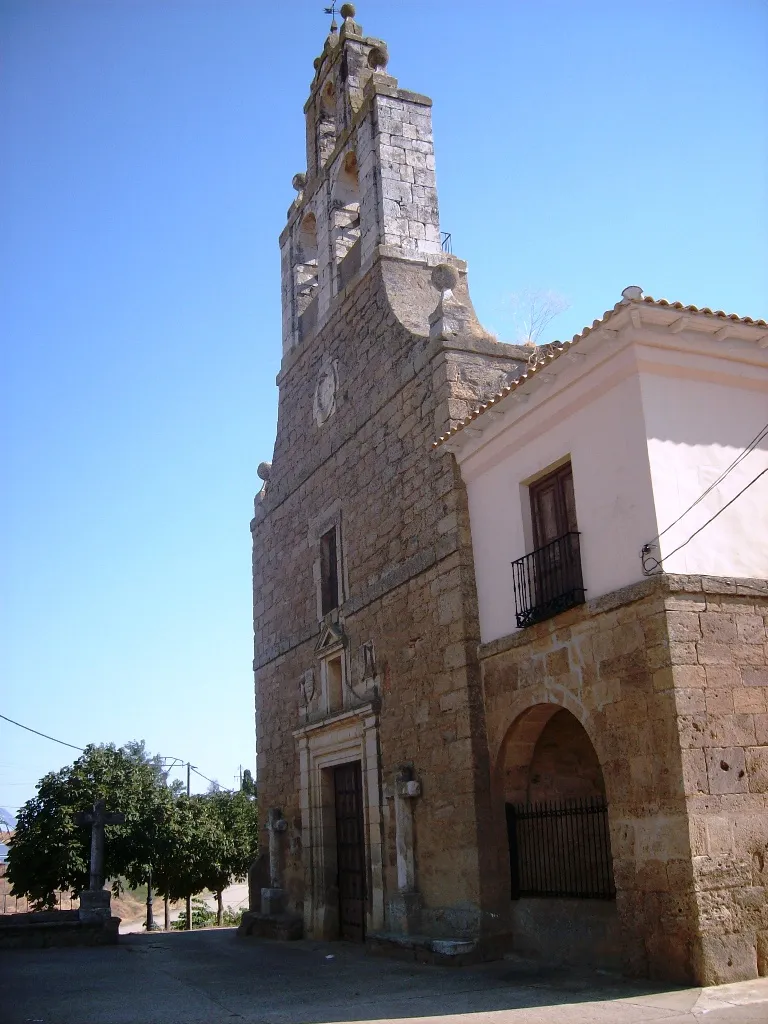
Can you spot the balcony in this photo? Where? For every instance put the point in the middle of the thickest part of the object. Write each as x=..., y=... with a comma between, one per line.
x=548, y=580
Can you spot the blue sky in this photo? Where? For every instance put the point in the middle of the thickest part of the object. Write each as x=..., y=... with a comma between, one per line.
x=145, y=167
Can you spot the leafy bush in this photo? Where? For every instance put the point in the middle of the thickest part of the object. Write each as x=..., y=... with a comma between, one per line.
x=202, y=917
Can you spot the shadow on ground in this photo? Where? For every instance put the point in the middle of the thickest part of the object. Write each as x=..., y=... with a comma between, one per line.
x=212, y=975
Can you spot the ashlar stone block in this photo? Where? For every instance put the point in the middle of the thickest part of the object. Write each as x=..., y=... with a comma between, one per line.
x=726, y=770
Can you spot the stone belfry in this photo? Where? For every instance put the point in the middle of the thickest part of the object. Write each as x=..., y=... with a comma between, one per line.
x=370, y=178
x=372, y=753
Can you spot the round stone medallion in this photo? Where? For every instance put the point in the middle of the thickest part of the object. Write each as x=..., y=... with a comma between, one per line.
x=325, y=394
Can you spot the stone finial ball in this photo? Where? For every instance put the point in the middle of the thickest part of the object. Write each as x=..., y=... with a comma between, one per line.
x=378, y=57
x=444, y=277
x=299, y=181
x=263, y=471
x=317, y=62
x=347, y=11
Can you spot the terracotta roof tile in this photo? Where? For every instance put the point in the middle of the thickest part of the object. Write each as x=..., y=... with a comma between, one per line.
x=557, y=348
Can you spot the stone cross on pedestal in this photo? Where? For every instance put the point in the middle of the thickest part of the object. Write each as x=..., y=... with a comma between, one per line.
x=97, y=818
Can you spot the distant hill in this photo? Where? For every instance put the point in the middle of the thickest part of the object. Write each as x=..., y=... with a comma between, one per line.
x=7, y=820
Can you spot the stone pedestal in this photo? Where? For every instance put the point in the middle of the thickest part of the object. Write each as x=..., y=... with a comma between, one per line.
x=258, y=879
x=405, y=913
x=273, y=920
x=273, y=900
x=95, y=905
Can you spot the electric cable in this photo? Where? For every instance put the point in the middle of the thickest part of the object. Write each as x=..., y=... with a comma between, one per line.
x=651, y=564
x=712, y=518
x=739, y=458
x=43, y=734
x=81, y=749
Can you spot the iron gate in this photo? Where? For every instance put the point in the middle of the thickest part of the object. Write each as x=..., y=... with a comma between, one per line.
x=561, y=848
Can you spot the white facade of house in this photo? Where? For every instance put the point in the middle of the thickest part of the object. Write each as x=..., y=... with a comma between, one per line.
x=650, y=406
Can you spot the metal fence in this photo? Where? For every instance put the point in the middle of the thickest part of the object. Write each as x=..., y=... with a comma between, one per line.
x=548, y=580
x=561, y=848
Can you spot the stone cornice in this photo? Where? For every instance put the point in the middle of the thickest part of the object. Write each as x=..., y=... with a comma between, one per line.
x=368, y=710
x=725, y=586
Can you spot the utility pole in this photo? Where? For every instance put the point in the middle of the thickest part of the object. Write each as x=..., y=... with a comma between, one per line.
x=189, y=898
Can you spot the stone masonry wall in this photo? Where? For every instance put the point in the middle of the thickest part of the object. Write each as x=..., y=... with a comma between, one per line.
x=718, y=645
x=669, y=680
x=409, y=588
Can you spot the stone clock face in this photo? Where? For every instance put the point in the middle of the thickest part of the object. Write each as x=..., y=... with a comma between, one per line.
x=325, y=394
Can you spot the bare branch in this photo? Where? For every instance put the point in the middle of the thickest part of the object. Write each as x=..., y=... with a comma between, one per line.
x=534, y=309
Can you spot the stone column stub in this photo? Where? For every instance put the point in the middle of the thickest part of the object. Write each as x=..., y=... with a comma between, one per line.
x=405, y=907
x=273, y=898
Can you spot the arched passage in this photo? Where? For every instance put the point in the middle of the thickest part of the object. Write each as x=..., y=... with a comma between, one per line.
x=548, y=755
x=561, y=885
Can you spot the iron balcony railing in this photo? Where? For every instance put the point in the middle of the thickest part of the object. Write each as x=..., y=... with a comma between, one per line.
x=561, y=848
x=548, y=580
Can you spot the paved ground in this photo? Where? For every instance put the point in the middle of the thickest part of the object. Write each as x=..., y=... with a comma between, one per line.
x=211, y=976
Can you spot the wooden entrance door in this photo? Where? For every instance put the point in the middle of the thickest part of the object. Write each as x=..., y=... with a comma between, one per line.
x=350, y=850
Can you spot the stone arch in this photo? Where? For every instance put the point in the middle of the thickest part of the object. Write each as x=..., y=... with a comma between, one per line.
x=557, y=846
x=305, y=272
x=549, y=755
x=546, y=696
x=307, y=238
x=345, y=217
x=326, y=122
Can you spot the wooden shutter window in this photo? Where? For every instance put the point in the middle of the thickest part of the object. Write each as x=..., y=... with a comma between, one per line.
x=553, y=508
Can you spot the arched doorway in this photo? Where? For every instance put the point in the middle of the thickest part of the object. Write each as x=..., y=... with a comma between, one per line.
x=561, y=885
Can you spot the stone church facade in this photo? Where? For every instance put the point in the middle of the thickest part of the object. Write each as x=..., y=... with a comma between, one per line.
x=392, y=727
x=365, y=613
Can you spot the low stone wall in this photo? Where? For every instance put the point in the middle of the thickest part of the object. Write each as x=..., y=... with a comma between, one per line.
x=580, y=932
x=41, y=929
x=669, y=678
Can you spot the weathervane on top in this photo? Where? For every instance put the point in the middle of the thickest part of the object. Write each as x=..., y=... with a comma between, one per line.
x=346, y=11
x=332, y=11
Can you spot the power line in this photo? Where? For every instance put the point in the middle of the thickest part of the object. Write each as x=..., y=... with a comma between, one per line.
x=695, y=532
x=176, y=760
x=213, y=782
x=43, y=734
x=739, y=458
x=645, y=554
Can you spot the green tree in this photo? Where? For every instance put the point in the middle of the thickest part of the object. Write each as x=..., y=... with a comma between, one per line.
x=236, y=827
x=248, y=786
x=49, y=852
x=186, y=849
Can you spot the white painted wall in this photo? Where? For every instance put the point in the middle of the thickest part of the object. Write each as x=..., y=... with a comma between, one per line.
x=598, y=421
x=648, y=427
x=696, y=428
